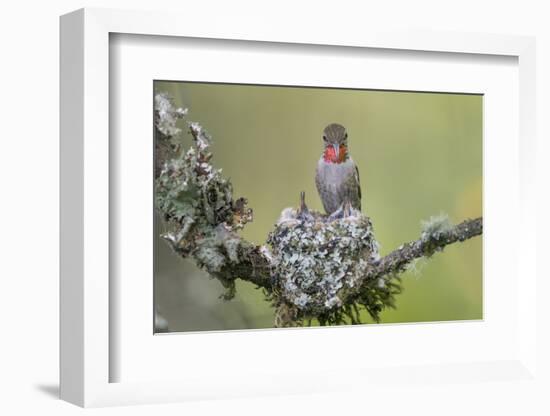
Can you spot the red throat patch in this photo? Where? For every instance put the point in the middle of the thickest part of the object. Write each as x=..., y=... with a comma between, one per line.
x=330, y=154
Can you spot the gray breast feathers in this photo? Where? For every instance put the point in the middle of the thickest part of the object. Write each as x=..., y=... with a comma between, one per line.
x=336, y=183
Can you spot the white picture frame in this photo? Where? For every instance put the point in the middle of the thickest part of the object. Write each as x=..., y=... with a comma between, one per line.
x=86, y=355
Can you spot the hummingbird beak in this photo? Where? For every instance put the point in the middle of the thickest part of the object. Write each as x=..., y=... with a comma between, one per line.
x=336, y=147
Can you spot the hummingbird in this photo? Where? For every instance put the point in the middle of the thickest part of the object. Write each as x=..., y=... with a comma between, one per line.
x=337, y=177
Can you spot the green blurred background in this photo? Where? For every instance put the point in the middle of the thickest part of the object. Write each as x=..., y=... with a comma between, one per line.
x=419, y=154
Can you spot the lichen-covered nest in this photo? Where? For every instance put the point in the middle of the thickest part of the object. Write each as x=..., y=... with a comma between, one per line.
x=320, y=263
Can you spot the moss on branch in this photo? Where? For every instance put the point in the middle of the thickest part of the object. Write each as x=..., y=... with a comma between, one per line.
x=428, y=244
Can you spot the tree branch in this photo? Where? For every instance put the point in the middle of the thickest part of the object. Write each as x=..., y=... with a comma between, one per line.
x=398, y=260
x=255, y=267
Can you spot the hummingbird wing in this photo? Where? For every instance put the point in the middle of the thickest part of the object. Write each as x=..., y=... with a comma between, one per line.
x=358, y=186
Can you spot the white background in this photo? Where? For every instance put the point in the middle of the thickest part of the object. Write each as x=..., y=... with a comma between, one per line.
x=29, y=224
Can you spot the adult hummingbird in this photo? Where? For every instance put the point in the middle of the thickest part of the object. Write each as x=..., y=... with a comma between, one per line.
x=337, y=177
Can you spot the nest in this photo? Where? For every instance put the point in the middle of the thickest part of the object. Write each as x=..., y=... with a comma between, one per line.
x=320, y=262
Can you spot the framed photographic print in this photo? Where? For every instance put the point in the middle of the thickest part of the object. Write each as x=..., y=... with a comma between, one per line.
x=227, y=198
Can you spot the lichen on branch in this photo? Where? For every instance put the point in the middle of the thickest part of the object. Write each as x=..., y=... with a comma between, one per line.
x=312, y=267
x=195, y=199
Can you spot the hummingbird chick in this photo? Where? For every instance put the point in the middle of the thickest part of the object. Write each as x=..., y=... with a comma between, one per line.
x=337, y=177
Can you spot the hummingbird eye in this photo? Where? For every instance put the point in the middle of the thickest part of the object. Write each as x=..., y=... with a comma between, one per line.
x=324, y=138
